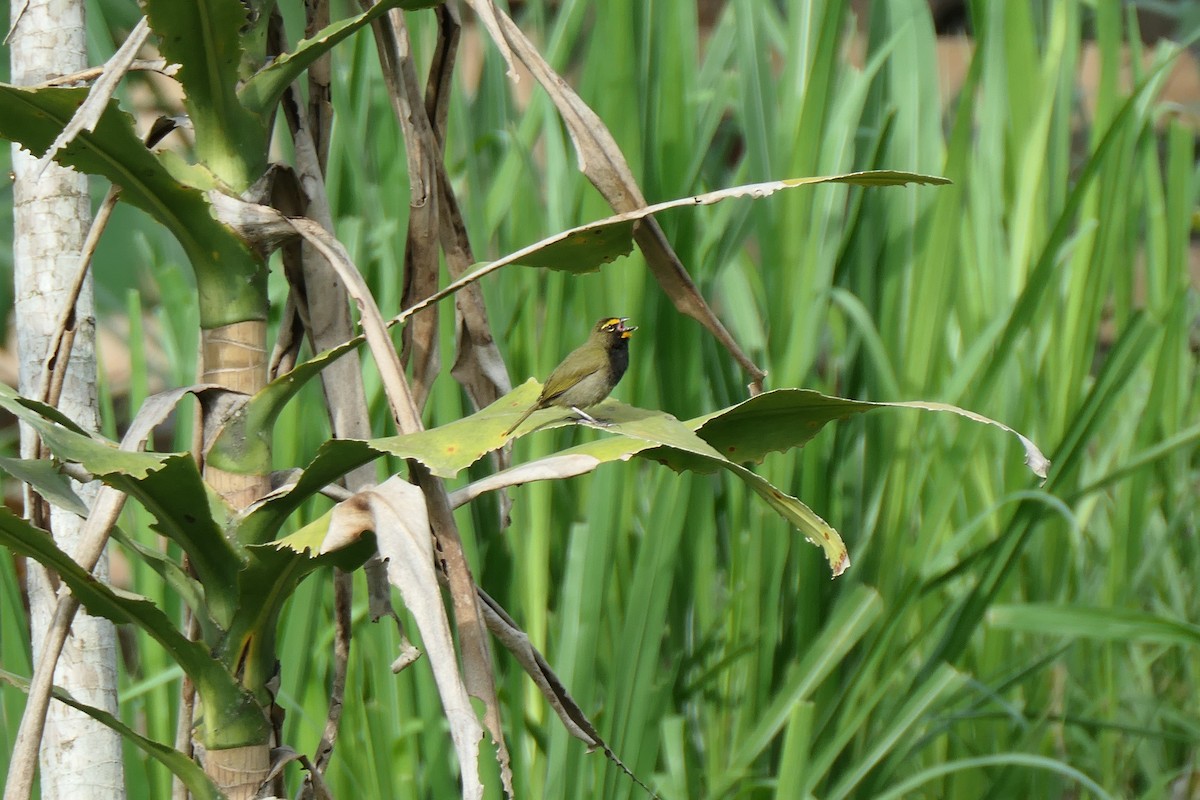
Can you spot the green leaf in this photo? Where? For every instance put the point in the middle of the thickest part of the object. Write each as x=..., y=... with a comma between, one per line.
x=448, y=449
x=775, y=421
x=34, y=117
x=585, y=248
x=582, y=251
x=270, y=578
x=852, y=621
x=261, y=92
x=780, y=420
x=676, y=451
x=187, y=770
x=309, y=541
x=944, y=680
x=223, y=697
x=783, y=419
x=1104, y=624
x=333, y=460
x=203, y=37
x=171, y=489
x=187, y=588
x=44, y=476
x=910, y=786
x=277, y=568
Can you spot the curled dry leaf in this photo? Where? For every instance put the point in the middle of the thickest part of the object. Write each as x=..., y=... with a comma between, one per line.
x=395, y=510
x=506, y=630
x=601, y=160
x=421, y=266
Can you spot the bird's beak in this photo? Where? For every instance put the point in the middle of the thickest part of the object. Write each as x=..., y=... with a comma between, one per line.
x=626, y=330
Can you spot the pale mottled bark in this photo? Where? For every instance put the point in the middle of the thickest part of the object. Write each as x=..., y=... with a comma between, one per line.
x=79, y=757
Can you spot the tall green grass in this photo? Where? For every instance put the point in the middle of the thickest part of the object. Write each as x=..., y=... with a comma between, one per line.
x=993, y=638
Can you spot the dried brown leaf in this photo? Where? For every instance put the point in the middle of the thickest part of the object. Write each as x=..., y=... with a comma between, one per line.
x=396, y=511
x=601, y=160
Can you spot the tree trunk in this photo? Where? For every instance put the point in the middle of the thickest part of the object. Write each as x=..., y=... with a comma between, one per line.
x=79, y=757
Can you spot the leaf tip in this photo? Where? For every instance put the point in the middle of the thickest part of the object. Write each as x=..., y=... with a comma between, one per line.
x=1037, y=463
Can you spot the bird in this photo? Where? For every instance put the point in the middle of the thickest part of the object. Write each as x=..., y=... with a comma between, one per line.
x=589, y=373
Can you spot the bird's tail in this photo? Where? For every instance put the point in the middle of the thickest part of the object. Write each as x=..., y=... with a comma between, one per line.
x=523, y=417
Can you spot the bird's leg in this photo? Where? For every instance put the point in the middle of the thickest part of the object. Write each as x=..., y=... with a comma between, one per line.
x=586, y=417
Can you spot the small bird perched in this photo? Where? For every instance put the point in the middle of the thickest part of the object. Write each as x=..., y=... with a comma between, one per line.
x=589, y=373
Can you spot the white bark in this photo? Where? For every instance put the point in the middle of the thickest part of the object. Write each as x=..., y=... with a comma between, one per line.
x=79, y=757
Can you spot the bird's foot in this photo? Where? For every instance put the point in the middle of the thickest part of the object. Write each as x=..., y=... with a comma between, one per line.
x=586, y=417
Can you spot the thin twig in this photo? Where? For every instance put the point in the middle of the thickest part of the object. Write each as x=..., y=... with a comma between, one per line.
x=90, y=74
x=58, y=353
x=187, y=705
x=96, y=528
x=343, y=595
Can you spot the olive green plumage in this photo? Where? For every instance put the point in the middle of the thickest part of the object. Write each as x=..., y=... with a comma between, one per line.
x=589, y=373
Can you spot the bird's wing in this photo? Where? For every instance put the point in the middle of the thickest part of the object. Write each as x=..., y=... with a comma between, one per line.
x=584, y=361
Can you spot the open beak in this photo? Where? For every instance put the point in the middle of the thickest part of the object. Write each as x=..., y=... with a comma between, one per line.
x=626, y=330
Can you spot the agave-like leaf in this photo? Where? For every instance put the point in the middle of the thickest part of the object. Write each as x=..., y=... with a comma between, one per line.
x=169, y=486
x=270, y=578
x=166, y=189
x=241, y=716
x=45, y=476
x=199, y=785
x=204, y=38
x=779, y=420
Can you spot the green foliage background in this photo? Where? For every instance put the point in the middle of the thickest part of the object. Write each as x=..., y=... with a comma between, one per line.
x=991, y=638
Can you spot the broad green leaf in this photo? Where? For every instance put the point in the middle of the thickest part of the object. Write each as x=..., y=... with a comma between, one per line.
x=310, y=543
x=203, y=37
x=218, y=687
x=34, y=117
x=7, y=394
x=584, y=250
x=333, y=460
x=187, y=588
x=449, y=449
x=586, y=247
x=783, y=419
x=171, y=489
x=657, y=435
x=774, y=421
x=44, y=476
x=275, y=570
x=187, y=770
